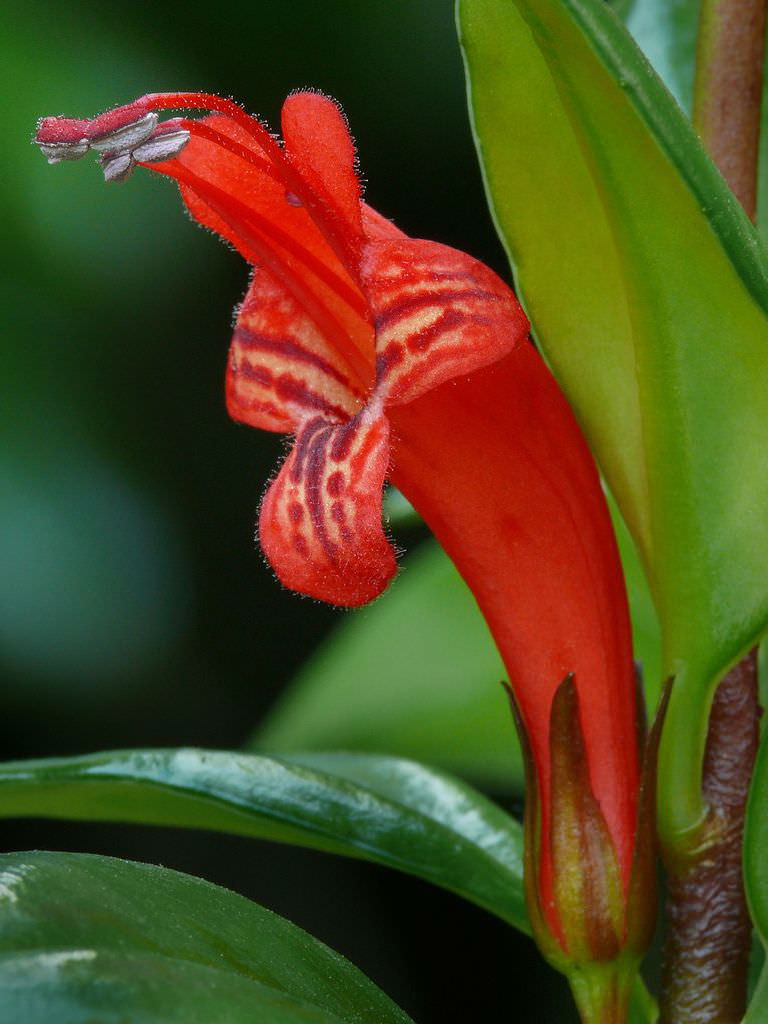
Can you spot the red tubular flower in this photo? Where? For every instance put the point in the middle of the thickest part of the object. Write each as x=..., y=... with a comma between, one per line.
x=389, y=357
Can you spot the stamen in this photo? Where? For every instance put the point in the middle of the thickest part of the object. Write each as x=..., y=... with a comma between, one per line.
x=61, y=138
x=167, y=142
x=125, y=137
x=219, y=105
x=55, y=152
x=131, y=134
x=113, y=120
x=61, y=130
x=117, y=166
x=347, y=246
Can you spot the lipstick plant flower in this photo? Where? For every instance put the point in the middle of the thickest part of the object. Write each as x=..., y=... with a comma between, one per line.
x=388, y=357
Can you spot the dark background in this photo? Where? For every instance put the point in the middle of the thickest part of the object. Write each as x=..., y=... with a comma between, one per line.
x=134, y=607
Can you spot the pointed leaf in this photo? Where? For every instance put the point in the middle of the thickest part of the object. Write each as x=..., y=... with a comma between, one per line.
x=393, y=812
x=86, y=939
x=648, y=291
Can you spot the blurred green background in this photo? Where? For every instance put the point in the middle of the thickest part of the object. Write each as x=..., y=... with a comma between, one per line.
x=135, y=609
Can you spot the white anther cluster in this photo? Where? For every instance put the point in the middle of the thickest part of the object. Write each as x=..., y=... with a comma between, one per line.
x=141, y=141
x=144, y=142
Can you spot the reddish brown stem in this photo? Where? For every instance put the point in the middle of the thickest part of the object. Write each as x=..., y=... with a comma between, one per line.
x=706, y=953
x=728, y=90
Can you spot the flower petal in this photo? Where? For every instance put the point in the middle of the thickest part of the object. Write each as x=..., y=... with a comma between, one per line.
x=319, y=145
x=320, y=521
x=281, y=370
x=496, y=465
x=437, y=312
x=243, y=198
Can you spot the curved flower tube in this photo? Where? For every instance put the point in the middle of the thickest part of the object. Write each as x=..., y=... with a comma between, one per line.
x=391, y=357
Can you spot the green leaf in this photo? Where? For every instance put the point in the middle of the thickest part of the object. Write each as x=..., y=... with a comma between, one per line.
x=648, y=291
x=94, y=940
x=414, y=675
x=756, y=872
x=393, y=812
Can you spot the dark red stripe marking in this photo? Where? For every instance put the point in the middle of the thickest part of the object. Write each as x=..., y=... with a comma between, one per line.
x=404, y=307
x=451, y=318
x=258, y=374
x=286, y=347
x=301, y=448
x=393, y=354
x=288, y=389
x=335, y=483
x=316, y=459
x=342, y=442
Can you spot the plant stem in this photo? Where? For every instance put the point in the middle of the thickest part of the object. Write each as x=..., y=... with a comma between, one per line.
x=706, y=952
x=728, y=90
x=602, y=992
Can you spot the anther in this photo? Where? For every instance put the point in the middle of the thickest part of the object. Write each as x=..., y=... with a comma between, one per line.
x=167, y=141
x=61, y=138
x=125, y=137
x=117, y=166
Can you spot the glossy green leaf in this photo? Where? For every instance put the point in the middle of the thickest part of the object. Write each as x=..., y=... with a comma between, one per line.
x=394, y=812
x=414, y=675
x=94, y=940
x=432, y=694
x=756, y=873
x=648, y=290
